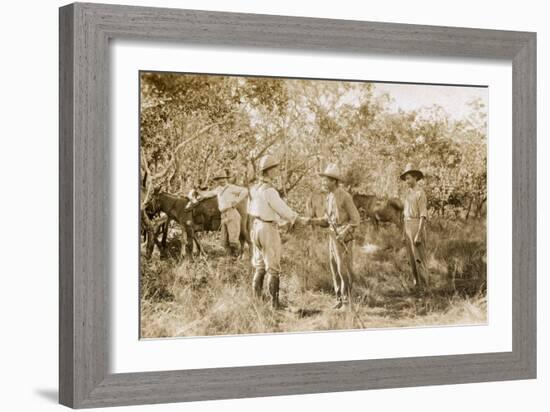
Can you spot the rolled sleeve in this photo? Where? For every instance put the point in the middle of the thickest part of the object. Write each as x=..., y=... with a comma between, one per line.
x=279, y=206
x=209, y=193
x=231, y=197
x=243, y=192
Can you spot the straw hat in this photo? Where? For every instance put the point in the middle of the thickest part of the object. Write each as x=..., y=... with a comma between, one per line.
x=332, y=170
x=267, y=162
x=415, y=172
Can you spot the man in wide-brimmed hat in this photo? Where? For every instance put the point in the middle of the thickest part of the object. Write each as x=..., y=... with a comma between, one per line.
x=229, y=196
x=415, y=215
x=267, y=209
x=342, y=217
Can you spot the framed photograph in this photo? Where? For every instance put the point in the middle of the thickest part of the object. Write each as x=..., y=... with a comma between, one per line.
x=256, y=205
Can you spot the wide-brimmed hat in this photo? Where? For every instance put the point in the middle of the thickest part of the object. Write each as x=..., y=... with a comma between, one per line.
x=224, y=175
x=267, y=162
x=332, y=170
x=410, y=169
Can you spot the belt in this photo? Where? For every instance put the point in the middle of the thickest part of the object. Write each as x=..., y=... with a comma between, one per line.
x=263, y=220
x=412, y=218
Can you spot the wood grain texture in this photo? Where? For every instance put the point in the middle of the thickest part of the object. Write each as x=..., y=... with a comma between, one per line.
x=66, y=229
x=85, y=30
x=524, y=187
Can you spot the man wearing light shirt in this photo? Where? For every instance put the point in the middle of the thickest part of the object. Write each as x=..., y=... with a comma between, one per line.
x=342, y=218
x=415, y=215
x=229, y=196
x=267, y=208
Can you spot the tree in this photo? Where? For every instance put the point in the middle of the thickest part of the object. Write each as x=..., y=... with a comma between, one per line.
x=193, y=126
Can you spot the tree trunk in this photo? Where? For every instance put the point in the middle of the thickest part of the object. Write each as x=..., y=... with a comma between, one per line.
x=480, y=207
x=469, y=208
x=150, y=230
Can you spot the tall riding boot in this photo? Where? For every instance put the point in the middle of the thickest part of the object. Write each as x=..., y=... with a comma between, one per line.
x=258, y=282
x=274, y=291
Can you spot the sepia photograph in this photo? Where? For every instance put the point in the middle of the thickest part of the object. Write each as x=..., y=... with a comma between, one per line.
x=282, y=205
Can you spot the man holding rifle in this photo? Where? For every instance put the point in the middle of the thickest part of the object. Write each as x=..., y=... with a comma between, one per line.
x=342, y=217
x=415, y=214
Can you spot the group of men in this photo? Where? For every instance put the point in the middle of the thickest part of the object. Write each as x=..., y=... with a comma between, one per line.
x=267, y=209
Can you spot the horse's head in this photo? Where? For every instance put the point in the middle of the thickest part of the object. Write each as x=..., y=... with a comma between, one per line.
x=153, y=205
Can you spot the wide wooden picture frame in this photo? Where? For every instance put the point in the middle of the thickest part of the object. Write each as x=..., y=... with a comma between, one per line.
x=85, y=32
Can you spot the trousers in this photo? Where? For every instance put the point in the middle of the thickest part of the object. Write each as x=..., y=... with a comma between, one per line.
x=231, y=228
x=417, y=253
x=266, y=247
x=341, y=266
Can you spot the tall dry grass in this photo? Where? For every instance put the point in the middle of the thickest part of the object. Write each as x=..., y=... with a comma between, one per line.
x=212, y=295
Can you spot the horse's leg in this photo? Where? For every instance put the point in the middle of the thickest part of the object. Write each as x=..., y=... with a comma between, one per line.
x=187, y=242
x=199, y=246
x=150, y=243
x=373, y=220
x=376, y=221
x=162, y=228
x=165, y=233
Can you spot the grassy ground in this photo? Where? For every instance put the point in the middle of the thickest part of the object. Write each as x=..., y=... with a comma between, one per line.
x=212, y=296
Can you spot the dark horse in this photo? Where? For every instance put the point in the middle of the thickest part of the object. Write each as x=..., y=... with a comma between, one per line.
x=379, y=210
x=206, y=217
x=203, y=215
x=175, y=208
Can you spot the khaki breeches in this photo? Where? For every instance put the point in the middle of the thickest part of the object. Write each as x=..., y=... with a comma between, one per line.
x=266, y=247
x=341, y=266
x=231, y=228
x=417, y=253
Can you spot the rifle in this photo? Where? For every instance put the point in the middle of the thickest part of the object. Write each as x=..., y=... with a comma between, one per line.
x=335, y=229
